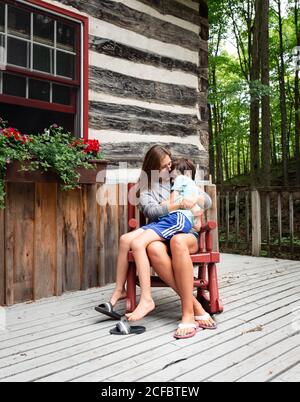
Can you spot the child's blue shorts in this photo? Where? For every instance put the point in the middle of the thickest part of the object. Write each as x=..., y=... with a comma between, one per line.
x=170, y=225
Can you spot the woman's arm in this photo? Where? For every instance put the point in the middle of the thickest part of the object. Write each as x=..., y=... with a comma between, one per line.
x=152, y=209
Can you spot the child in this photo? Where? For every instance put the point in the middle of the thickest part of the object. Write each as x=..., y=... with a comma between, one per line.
x=180, y=221
x=184, y=186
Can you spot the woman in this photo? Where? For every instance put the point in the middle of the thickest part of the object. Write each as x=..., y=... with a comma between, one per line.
x=178, y=273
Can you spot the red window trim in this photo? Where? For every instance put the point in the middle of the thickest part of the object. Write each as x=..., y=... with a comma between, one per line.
x=85, y=56
x=40, y=76
x=15, y=100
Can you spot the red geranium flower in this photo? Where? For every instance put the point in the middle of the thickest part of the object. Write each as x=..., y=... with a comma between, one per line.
x=15, y=134
x=93, y=146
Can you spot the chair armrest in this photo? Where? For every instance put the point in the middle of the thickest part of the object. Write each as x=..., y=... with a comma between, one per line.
x=208, y=227
x=133, y=224
x=206, y=241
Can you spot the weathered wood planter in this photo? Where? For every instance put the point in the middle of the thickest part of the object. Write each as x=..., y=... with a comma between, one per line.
x=52, y=241
x=14, y=174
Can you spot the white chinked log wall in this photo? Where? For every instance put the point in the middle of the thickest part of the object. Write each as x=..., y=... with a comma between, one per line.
x=148, y=79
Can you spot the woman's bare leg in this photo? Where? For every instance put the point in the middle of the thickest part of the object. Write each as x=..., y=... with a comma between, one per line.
x=162, y=265
x=182, y=245
x=184, y=272
x=122, y=265
x=139, y=248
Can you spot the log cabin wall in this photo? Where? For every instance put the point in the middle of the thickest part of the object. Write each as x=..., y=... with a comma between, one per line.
x=148, y=79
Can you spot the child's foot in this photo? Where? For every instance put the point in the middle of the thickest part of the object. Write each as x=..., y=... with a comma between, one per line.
x=144, y=308
x=118, y=295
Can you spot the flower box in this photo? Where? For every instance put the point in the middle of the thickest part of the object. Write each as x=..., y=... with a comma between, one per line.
x=89, y=176
x=14, y=174
x=54, y=156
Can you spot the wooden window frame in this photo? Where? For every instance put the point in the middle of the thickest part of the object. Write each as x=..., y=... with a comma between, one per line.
x=82, y=67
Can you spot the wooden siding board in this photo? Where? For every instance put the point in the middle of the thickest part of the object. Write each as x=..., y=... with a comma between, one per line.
x=134, y=119
x=72, y=227
x=61, y=246
x=127, y=152
x=102, y=225
x=2, y=258
x=19, y=249
x=45, y=250
x=121, y=51
x=124, y=17
x=89, y=274
x=125, y=86
x=9, y=244
x=177, y=10
x=110, y=218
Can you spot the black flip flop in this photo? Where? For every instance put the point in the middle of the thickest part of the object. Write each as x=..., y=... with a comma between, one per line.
x=107, y=309
x=123, y=328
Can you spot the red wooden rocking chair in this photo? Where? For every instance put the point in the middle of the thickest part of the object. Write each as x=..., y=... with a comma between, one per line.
x=206, y=259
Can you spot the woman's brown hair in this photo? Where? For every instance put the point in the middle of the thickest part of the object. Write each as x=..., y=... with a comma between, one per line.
x=152, y=162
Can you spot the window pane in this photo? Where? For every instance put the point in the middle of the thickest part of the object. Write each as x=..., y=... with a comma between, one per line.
x=14, y=85
x=61, y=94
x=39, y=90
x=18, y=22
x=2, y=17
x=2, y=49
x=65, y=64
x=43, y=29
x=43, y=59
x=18, y=52
x=65, y=37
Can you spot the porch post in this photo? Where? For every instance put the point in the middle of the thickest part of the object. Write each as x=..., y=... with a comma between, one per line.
x=256, y=223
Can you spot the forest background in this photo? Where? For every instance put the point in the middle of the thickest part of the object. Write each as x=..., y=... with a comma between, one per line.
x=254, y=92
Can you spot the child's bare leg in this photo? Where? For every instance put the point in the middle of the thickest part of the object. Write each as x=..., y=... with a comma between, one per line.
x=122, y=265
x=139, y=248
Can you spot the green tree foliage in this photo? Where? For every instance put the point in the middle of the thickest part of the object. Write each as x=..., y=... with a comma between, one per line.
x=232, y=90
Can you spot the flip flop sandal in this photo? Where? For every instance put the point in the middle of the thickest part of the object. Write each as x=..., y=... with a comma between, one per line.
x=123, y=328
x=205, y=317
x=186, y=326
x=107, y=309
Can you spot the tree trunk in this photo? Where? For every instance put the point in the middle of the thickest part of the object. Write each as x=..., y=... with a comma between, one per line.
x=239, y=170
x=226, y=161
x=274, y=149
x=297, y=98
x=283, y=111
x=265, y=79
x=211, y=147
x=254, y=108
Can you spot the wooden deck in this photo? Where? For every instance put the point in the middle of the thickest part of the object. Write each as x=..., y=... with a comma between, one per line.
x=64, y=339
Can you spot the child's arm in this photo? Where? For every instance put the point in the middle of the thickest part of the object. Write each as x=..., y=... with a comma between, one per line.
x=170, y=200
x=175, y=198
x=204, y=201
x=172, y=203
